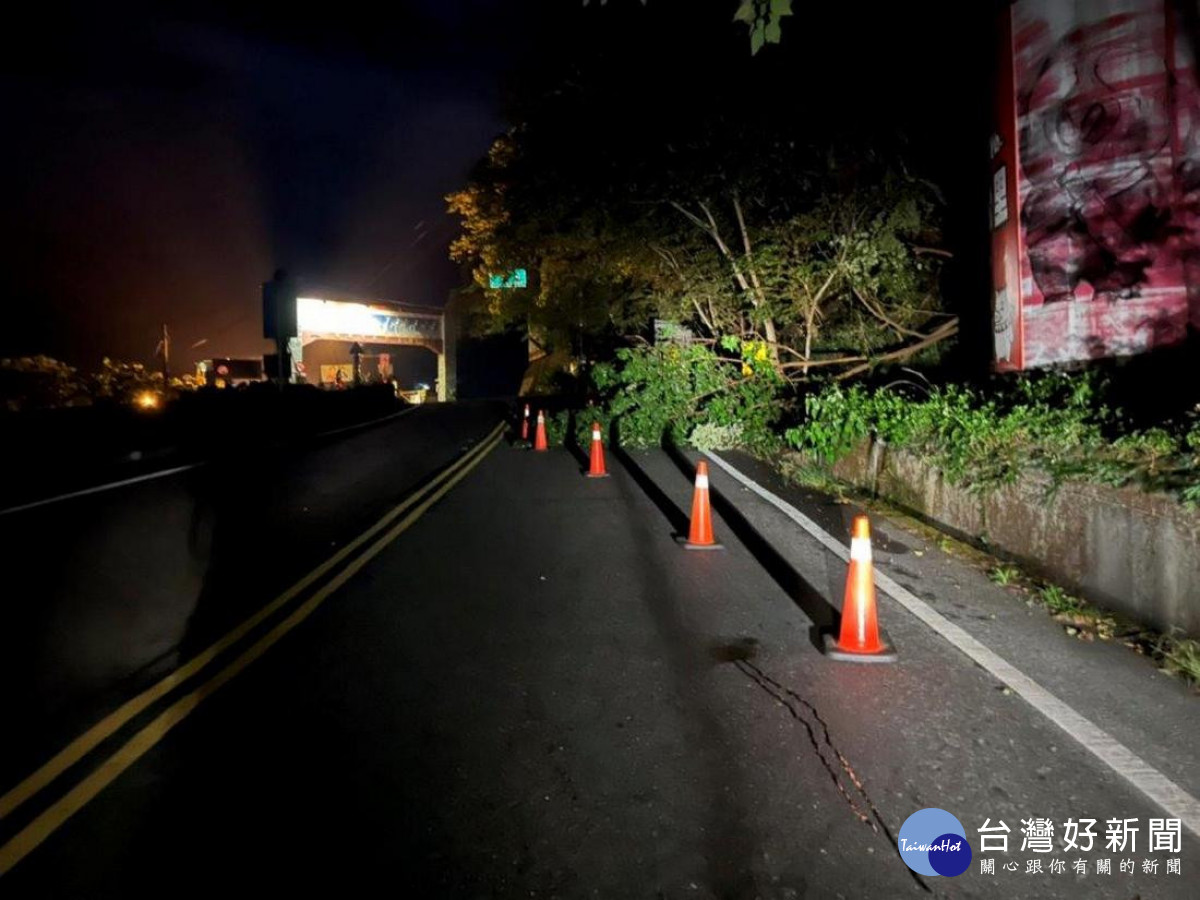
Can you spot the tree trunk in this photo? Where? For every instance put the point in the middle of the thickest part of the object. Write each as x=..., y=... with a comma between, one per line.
x=808, y=336
x=759, y=296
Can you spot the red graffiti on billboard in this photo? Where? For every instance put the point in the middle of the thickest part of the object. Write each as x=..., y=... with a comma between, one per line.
x=1108, y=183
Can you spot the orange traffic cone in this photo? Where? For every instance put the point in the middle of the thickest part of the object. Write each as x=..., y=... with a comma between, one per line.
x=860, y=639
x=700, y=533
x=525, y=424
x=539, y=441
x=597, y=470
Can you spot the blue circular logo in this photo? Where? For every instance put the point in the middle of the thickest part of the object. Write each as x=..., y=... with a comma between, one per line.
x=933, y=842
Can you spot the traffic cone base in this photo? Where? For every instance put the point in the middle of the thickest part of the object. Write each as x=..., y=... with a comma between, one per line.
x=682, y=541
x=885, y=654
x=595, y=475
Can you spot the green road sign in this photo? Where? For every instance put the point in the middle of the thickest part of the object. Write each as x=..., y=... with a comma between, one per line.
x=517, y=278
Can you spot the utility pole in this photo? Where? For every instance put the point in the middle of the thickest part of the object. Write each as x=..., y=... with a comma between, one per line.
x=164, y=347
x=356, y=352
x=279, y=321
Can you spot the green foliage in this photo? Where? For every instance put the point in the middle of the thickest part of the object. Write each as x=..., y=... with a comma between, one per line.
x=764, y=19
x=585, y=419
x=41, y=382
x=654, y=393
x=806, y=474
x=710, y=436
x=841, y=272
x=1179, y=655
x=559, y=426
x=123, y=381
x=1052, y=423
x=586, y=255
x=1190, y=495
x=1192, y=438
x=732, y=226
x=1004, y=575
x=1059, y=601
x=556, y=428
x=1147, y=450
x=835, y=422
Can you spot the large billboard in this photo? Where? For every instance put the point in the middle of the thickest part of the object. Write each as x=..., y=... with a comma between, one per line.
x=1095, y=207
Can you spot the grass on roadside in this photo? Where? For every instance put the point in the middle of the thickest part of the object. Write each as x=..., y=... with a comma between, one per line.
x=1004, y=575
x=1058, y=601
x=811, y=476
x=1179, y=655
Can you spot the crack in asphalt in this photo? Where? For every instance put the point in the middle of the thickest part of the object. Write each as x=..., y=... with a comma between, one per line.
x=781, y=694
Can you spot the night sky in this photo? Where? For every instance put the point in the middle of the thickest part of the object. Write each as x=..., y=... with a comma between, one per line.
x=160, y=161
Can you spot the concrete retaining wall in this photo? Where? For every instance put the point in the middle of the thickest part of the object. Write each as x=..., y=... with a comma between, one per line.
x=1124, y=549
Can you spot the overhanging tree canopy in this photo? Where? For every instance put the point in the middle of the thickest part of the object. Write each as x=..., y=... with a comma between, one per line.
x=705, y=204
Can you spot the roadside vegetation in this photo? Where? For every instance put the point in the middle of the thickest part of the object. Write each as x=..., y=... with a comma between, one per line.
x=42, y=382
x=1052, y=423
x=729, y=394
x=725, y=221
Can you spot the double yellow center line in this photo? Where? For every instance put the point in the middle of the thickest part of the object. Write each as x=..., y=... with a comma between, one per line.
x=33, y=834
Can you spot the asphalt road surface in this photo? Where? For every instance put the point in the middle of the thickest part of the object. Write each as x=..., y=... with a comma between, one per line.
x=107, y=592
x=518, y=685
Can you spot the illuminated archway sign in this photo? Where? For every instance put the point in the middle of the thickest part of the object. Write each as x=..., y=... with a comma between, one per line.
x=376, y=323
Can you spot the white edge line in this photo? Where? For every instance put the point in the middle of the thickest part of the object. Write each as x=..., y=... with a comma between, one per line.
x=163, y=473
x=98, y=488
x=1152, y=783
x=367, y=424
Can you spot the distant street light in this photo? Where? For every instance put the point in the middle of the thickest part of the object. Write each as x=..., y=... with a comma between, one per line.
x=147, y=400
